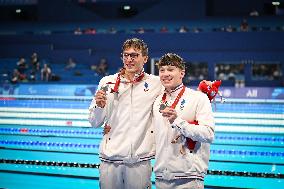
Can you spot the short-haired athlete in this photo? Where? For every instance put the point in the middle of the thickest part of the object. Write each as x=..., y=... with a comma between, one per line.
x=183, y=127
x=123, y=104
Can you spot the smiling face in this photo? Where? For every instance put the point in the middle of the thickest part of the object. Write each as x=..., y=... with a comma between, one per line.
x=134, y=55
x=171, y=76
x=171, y=70
x=133, y=60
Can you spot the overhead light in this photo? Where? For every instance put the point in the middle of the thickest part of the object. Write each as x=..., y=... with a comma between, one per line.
x=126, y=7
x=18, y=11
x=275, y=3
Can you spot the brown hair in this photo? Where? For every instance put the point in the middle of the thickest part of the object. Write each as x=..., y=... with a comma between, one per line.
x=171, y=59
x=137, y=44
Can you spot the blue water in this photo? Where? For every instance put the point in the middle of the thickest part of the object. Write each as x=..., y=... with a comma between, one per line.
x=240, y=152
x=84, y=104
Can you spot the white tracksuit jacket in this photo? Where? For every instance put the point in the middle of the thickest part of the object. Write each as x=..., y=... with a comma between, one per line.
x=129, y=114
x=170, y=163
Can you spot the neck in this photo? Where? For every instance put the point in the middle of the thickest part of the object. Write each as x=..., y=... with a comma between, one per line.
x=170, y=89
x=129, y=75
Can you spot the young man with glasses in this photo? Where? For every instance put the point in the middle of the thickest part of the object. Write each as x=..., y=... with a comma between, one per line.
x=123, y=104
x=184, y=128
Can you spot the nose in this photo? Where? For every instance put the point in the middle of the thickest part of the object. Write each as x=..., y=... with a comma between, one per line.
x=164, y=74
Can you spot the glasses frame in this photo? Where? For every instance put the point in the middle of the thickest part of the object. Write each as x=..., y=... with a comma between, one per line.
x=124, y=56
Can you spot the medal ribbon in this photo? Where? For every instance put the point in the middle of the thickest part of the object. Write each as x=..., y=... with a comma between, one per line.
x=177, y=98
x=118, y=79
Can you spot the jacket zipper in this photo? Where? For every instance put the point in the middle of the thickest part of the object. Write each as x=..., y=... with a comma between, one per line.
x=131, y=117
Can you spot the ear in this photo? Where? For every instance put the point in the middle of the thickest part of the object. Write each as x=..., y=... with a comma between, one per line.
x=182, y=73
x=145, y=59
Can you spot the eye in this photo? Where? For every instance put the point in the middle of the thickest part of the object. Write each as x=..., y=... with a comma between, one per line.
x=134, y=55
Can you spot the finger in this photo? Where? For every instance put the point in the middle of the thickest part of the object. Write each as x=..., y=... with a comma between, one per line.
x=166, y=115
x=100, y=93
x=170, y=112
x=101, y=98
x=101, y=103
x=167, y=110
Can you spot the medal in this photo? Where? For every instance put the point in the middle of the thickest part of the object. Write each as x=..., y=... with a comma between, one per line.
x=104, y=88
x=175, y=102
x=162, y=107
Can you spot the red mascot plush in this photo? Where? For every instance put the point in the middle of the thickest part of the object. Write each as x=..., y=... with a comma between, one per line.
x=211, y=91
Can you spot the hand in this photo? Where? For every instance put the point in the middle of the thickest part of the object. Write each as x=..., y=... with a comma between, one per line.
x=169, y=113
x=106, y=129
x=101, y=98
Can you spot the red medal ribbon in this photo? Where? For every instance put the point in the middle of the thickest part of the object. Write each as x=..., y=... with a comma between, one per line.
x=189, y=142
x=116, y=85
x=139, y=78
x=118, y=79
x=177, y=98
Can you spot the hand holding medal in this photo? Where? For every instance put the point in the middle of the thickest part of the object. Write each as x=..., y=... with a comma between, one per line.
x=101, y=97
x=169, y=113
x=162, y=107
x=104, y=88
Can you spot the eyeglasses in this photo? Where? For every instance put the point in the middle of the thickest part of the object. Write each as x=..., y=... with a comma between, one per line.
x=132, y=55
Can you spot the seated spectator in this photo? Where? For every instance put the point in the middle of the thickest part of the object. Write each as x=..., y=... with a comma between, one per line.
x=17, y=77
x=70, y=64
x=102, y=68
x=244, y=26
x=35, y=64
x=196, y=30
x=141, y=30
x=229, y=28
x=45, y=73
x=90, y=31
x=112, y=30
x=183, y=29
x=22, y=65
x=164, y=29
x=78, y=31
x=254, y=13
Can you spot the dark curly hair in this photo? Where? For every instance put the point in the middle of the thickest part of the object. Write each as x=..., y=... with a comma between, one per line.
x=171, y=59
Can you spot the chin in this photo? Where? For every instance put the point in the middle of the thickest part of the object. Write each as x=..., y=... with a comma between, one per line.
x=167, y=85
x=130, y=70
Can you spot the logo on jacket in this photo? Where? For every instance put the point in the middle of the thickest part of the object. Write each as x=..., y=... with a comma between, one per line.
x=146, y=85
x=182, y=104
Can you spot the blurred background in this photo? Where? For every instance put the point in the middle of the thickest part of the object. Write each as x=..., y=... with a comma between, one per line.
x=53, y=54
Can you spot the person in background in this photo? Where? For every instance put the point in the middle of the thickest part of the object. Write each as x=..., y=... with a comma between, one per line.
x=184, y=129
x=164, y=29
x=22, y=66
x=70, y=64
x=244, y=27
x=78, y=31
x=45, y=73
x=18, y=77
x=35, y=64
x=183, y=29
x=102, y=68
